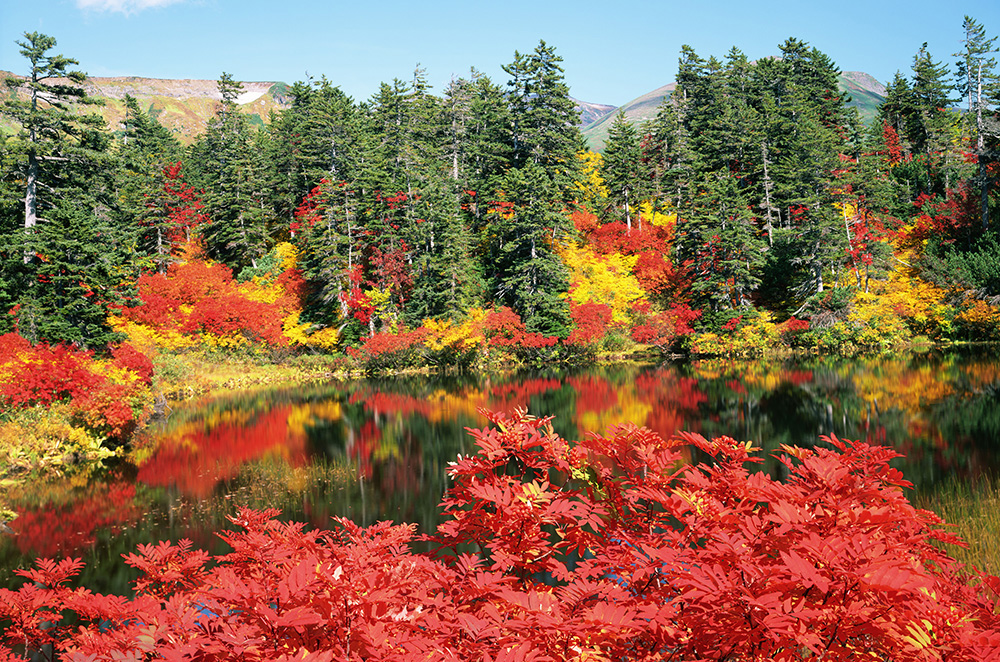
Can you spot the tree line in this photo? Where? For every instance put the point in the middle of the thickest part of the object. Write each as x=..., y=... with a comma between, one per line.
x=413, y=205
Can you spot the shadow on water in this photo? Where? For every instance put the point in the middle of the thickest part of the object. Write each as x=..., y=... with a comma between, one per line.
x=379, y=449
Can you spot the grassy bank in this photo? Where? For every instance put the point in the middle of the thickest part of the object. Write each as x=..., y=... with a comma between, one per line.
x=973, y=510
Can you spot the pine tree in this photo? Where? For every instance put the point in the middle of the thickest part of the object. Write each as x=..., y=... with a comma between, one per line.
x=236, y=233
x=50, y=129
x=146, y=152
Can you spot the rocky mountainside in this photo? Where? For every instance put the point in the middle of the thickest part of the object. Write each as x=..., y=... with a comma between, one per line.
x=592, y=112
x=184, y=106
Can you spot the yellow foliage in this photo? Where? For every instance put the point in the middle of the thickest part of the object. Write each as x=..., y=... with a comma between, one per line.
x=260, y=289
x=444, y=334
x=903, y=303
x=606, y=279
x=144, y=338
x=756, y=336
x=303, y=333
x=594, y=194
x=659, y=219
x=980, y=319
x=287, y=254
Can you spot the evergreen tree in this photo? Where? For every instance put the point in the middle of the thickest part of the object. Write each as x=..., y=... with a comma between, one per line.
x=621, y=168
x=50, y=128
x=63, y=267
x=529, y=275
x=236, y=233
x=147, y=151
x=978, y=82
x=545, y=140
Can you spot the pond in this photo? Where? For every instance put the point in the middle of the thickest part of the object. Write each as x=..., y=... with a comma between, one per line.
x=378, y=449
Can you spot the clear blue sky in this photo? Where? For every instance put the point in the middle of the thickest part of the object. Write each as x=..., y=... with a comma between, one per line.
x=613, y=51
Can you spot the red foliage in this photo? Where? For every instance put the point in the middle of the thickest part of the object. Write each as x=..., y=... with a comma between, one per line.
x=632, y=555
x=944, y=218
x=386, y=350
x=201, y=297
x=231, y=314
x=44, y=373
x=502, y=327
x=793, y=325
x=894, y=151
x=665, y=328
x=183, y=204
x=129, y=358
x=591, y=322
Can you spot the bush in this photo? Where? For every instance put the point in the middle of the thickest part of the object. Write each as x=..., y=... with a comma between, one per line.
x=630, y=554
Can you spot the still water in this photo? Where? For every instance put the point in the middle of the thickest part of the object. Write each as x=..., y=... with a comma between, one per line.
x=378, y=449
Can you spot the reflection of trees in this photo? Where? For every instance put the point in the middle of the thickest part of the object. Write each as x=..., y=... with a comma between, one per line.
x=379, y=449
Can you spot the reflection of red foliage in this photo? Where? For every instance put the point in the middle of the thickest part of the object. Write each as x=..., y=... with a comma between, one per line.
x=200, y=460
x=674, y=401
x=593, y=394
x=378, y=402
x=509, y=396
x=61, y=530
x=799, y=377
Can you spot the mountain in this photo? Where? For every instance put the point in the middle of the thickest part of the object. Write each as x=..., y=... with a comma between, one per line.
x=867, y=94
x=636, y=111
x=591, y=112
x=184, y=106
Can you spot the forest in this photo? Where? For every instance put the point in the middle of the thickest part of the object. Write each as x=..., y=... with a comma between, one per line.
x=755, y=207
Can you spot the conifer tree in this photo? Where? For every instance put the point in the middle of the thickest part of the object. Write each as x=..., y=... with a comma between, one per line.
x=69, y=251
x=50, y=129
x=236, y=233
x=979, y=83
x=621, y=168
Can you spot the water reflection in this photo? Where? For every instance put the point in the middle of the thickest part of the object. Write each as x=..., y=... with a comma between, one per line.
x=372, y=450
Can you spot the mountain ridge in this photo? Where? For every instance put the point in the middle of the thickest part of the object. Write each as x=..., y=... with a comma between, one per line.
x=866, y=92
x=185, y=105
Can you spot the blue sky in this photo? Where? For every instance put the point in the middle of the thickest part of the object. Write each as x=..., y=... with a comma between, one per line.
x=613, y=51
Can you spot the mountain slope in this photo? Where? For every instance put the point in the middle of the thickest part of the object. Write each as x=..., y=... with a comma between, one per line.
x=184, y=106
x=867, y=94
x=591, y=112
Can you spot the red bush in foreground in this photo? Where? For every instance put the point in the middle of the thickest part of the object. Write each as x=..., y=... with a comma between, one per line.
x=610, y=549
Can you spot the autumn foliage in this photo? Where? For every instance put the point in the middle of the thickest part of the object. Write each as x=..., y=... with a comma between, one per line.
x=107, y=396
x=611, y=548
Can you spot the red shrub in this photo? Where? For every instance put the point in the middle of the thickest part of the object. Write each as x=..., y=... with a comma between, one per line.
x=633, y=555
x=591, y=320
